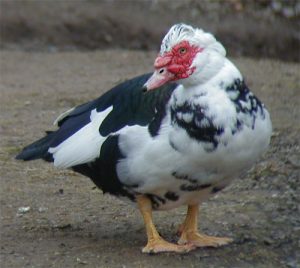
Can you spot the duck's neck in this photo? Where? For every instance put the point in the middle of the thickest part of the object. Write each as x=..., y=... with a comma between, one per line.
x=220, y=79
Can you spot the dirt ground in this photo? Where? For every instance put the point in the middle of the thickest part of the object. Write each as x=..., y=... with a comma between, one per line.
x=56, y=218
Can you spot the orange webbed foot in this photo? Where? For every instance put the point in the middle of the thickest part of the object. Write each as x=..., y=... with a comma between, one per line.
x=160, y=245
x=189, y=235
x=201, y=240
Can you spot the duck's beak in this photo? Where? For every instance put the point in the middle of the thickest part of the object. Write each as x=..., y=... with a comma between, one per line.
x=160, y=77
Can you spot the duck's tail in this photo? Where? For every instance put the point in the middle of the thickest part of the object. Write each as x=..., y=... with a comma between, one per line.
x=38, y=149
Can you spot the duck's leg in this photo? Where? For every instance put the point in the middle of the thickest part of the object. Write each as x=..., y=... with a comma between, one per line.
x=155, y=242
x=189, y=232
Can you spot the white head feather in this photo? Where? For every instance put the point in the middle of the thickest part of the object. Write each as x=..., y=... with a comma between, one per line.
x=195, y=36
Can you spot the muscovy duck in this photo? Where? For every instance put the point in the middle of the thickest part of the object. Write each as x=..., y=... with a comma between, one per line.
x=167, y=139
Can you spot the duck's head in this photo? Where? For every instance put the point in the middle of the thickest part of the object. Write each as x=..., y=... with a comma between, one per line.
x=188, y=55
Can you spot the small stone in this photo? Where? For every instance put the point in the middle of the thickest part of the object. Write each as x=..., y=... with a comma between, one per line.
x=81, y=261
x=268, y=241
x=23, y=210
x=42, y=209
x=63, y=226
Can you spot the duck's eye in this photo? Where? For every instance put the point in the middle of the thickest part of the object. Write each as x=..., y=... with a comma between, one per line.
x=182, y=50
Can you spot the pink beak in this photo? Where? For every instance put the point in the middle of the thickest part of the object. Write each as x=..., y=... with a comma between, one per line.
x=159, y=78
x=161, y=74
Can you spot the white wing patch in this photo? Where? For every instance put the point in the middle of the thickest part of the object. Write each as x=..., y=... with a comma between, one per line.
x=83, y=146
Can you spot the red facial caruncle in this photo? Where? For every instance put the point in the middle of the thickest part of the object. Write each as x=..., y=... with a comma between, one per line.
x=178, y=60
x=173, y=65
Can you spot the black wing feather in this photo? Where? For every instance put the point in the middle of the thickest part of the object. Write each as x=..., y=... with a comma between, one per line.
x=131, y=106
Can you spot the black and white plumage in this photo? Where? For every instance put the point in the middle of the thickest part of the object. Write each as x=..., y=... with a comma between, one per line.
x=196, y=128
